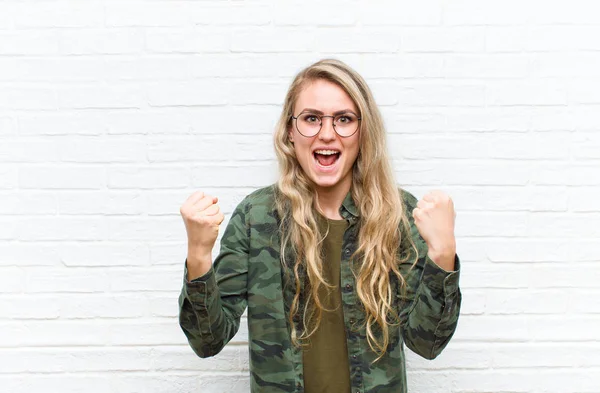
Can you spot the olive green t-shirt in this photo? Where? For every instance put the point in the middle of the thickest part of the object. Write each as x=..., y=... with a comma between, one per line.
x=326, y=366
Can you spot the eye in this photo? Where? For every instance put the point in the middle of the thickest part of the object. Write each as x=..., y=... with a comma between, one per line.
x=345, y=119
x=310, y=118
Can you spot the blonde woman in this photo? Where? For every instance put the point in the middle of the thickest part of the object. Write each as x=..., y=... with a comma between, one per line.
x=338, y=266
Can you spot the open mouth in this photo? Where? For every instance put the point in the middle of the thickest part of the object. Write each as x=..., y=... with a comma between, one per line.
x=326, y=158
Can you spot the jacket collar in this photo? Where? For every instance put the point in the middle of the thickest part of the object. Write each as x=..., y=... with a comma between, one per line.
x=348, y=206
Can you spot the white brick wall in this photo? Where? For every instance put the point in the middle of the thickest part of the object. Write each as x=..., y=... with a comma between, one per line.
x=113, y=112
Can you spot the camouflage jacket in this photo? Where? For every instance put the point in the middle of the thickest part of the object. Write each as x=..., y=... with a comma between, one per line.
x=248, y=273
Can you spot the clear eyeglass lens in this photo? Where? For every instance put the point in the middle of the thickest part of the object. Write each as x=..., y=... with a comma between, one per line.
x=309, y=124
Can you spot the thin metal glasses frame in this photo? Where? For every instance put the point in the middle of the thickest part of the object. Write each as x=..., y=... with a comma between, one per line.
x=321, y=124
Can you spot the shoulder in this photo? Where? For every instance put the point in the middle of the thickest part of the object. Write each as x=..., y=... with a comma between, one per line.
x=259, y=205
x=408, y=199
x=264, y=196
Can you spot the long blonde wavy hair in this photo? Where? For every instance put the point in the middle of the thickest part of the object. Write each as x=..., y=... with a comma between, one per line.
x=376, y=195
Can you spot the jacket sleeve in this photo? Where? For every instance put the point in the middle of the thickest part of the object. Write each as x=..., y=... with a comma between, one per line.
x=430, y=302
x=210, y=306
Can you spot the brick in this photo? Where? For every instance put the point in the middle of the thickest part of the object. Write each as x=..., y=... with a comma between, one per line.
x=188, y=94
x=145, y=228
x=133, y=279
x=101, y=41
x=387, y=12
x=540, y=355
x=352, y=40
x=493, y=224
x=28, y=253
x=505, y=198
x=100, y=305
x=482, y=276
x=409, y=65
x=61, y=177
x=584, y=199
x=29, y=150
x=256, y=174
x=481, y=146
x=21, y=203
x=96, y=97
x=92, y=149
x=67, y=280
x=29, y=43
x=424, y=94
x=118, y=254
x=12, y=279
x=486, y=66
x=574, y=275
x=499, y=328
x=236, y=14
x=52, y=333
x=188, y=41
x=141, y=13
x=99, y=383
x=329, y=14
x=272, y=40
x=6, y=15
x=123, y=177
x=7, y=126
x=543, y=224
x=443, y=39
x=246, y=65
x=78, y=360
x=454, y=173
x=28, y=307
x=210, y=148
x=511, y=302
x=259, y=93
x=169, y=358
x=510, y=12
x=575, y=174
x=62, y=124
x=60, y=14
x=531, y=250
x=27, y=98
x=112, y=203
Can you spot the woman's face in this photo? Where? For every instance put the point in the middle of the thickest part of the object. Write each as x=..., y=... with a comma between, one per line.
x=326, y=170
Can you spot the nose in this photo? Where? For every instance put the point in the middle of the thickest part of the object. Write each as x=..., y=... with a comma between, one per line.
x=327, y=132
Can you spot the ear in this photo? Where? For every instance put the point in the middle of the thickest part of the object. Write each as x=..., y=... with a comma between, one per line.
x=290, y=135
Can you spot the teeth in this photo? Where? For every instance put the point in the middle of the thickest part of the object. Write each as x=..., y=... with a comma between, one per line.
x=326, y=152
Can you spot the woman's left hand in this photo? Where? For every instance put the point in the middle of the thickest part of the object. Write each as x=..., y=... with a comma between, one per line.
x=434, y=217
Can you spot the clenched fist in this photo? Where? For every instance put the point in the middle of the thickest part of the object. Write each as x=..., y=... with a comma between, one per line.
x=434, y=217
x=202, y=217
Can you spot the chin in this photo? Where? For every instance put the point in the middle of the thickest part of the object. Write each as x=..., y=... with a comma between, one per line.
x=326, y=181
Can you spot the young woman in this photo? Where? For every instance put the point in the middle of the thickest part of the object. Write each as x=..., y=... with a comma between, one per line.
x=337, y=265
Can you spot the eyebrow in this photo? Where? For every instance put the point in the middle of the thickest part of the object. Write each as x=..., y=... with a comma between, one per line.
x=312, y=110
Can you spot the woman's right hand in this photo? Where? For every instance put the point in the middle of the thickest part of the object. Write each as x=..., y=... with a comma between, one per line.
x=202, y=217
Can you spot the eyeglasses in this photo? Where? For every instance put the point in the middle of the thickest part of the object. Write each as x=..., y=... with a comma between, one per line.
x=309, y=124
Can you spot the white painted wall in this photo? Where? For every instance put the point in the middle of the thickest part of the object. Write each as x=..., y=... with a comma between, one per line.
x=113, y=112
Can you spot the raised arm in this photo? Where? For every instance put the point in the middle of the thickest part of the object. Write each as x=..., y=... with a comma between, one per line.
x=210, y=306
x=432, y=299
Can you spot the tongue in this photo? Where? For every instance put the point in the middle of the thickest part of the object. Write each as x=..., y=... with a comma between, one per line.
x=326, y=160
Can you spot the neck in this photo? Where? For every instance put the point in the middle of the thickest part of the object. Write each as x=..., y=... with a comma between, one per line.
x=329, y=199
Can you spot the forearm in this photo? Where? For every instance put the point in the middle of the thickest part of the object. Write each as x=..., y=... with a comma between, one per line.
x=203, y=318
x=433, y=316
x=198, y=263
x=444, y=258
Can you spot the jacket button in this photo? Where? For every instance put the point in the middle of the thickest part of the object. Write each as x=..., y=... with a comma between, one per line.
x=354, y=357
x=348, y=287
x=347, y=252
x=352, y=320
